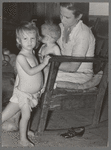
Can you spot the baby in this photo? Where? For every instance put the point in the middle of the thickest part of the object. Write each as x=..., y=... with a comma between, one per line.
x=29, y=80
x=50, y=33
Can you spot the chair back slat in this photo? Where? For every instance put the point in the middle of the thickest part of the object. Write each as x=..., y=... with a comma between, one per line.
x=95, y=27
x=98, y=47
x=52, y=75
x=104, y=51
x=101, y=50
x=101, y=47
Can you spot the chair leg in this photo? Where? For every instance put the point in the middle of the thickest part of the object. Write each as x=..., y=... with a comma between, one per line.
x=39, y=119
x=43, y=119
x=35, y=120
x=97, y=112
x=100, y=97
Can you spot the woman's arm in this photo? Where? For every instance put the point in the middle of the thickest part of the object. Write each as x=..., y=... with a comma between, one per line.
x=80, y=50
x=69, y=66
x=56, y=50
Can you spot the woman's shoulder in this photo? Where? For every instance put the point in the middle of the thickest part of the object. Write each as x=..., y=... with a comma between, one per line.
x=82, y=29
x=86, y=31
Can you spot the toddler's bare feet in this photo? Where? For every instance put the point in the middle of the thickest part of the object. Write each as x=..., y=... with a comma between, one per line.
x=31, y=133
x=9, y=126
x=26, y=143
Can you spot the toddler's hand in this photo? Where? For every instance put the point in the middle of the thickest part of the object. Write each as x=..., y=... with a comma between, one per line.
x=46, y=59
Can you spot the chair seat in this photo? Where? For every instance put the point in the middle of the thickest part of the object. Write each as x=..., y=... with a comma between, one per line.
x=82, y=87
x=60, y=98
x=64, y=92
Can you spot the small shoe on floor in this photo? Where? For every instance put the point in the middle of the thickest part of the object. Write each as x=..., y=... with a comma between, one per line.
x=74, y=132
x=78, y=131
x=68, y=134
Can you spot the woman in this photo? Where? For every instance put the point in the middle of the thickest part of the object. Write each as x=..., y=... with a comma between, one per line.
x=76, y=40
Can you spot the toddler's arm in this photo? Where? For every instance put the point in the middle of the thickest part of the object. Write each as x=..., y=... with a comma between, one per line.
x=27, y=68
x=16, y=81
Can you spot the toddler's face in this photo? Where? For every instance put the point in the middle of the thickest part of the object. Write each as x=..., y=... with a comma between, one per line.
x=28, y=40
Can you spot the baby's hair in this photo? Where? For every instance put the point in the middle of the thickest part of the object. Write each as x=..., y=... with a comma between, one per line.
x=24, y=27
x=51, y=29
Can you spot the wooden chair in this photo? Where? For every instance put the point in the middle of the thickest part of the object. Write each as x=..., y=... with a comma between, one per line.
x=61, y=98
x=95, y=27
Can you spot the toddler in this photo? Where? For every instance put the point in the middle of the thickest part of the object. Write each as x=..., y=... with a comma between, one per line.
x=29, y=80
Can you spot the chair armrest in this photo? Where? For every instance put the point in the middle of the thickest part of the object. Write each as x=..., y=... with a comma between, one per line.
x=56, y=58
x=55, y=61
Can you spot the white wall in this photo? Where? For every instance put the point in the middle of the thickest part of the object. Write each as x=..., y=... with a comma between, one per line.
x=96, y=8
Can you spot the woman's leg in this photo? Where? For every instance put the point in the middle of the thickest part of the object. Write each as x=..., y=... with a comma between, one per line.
x=25, y=116
x=10, y=110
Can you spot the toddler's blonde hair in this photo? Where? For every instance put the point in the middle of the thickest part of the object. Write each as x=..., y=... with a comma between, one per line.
x=24, y=27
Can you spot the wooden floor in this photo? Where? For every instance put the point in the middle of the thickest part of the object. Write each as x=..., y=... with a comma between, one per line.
x=93, y=137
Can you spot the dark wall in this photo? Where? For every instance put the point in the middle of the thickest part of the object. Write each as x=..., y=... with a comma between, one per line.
x=15, y=12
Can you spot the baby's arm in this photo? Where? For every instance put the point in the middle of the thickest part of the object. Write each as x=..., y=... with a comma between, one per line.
x=40, y=57
x=21, y=60
x=40, y=54
x=56, y=50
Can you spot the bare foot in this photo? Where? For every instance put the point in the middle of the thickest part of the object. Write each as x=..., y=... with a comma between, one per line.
x=9, y=126
x=26, y=143
x=31, y=133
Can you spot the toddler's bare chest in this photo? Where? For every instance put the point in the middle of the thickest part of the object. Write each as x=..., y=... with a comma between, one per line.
x=32, y=61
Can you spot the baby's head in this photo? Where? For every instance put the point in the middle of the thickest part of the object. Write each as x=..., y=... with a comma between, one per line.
x=26, y=28
x=52, y=30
